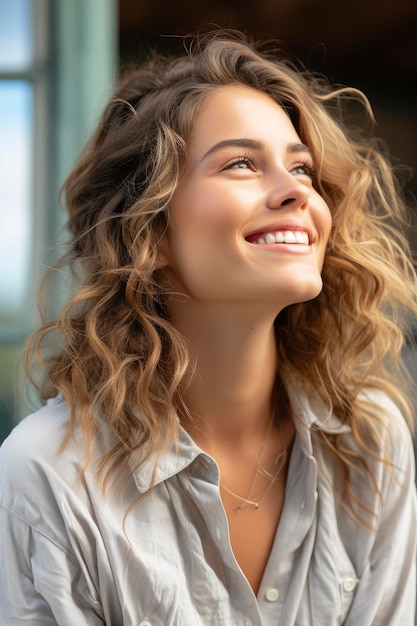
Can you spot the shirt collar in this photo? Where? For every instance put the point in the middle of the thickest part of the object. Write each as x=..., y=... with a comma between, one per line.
x=308, y=415
x=178, y=457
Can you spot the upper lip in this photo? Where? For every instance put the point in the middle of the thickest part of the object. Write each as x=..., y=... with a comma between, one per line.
x=283, y=225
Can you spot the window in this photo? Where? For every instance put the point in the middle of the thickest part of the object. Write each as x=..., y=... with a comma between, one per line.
x=23, y=86
x=48, y=105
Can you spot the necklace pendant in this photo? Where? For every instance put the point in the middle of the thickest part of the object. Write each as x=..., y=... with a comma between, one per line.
x=256, y=506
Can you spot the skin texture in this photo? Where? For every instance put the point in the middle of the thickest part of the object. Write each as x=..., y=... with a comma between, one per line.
x=230, y=193
x=248, y=174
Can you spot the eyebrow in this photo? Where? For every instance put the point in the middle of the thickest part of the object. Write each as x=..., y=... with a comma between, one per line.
x=253, y=144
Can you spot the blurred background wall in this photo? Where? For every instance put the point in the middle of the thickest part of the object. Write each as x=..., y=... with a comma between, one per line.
x=59, y=60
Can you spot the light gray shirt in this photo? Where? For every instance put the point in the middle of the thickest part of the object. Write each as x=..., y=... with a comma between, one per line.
x=70, y=557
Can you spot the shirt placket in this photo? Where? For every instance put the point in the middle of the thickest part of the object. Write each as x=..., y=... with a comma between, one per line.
x=204, y=480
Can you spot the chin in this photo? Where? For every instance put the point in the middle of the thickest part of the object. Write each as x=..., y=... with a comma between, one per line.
x=306, y=291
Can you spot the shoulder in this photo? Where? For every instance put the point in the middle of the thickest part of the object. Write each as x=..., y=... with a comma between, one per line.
x=377, y=437
x=34, y=472
x=389, y=424
x=36, y=440
x=377, y=418
x=386, y=406
x=382, y=440
x=48, y=537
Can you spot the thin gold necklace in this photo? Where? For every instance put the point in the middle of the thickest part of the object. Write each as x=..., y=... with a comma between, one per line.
x=249, y=501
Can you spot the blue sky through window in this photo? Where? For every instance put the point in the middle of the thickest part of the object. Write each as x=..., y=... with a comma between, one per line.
x=15, y=192
x=16, y=114
x=15, y=34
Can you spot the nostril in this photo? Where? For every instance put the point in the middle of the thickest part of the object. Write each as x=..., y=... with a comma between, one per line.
x=287, y=201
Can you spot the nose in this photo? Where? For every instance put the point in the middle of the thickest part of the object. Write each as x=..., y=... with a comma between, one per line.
x=288, y=191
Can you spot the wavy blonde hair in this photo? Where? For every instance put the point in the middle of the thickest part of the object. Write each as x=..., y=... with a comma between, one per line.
x=117, y=358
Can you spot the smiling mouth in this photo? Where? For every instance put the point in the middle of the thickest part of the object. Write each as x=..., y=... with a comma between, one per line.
x=282, y=236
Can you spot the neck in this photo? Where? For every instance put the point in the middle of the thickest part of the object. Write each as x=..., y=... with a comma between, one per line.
x=231, y=392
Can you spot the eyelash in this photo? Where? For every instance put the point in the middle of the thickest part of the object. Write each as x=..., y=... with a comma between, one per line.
x=310, y=171
x=249, y=160
x=245, y=158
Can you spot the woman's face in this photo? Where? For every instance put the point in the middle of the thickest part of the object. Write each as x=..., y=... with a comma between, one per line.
x=246, y=224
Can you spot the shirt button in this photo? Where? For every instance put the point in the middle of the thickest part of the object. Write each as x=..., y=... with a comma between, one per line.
x=272, y=594
x=349, y=584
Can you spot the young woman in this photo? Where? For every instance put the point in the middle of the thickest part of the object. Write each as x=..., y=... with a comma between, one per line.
x=223, y=440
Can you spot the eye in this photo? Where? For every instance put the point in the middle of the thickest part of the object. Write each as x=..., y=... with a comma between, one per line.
x=242, y=162
x=304, y=169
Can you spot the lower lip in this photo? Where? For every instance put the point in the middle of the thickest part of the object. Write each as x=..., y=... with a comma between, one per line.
x=295, y=248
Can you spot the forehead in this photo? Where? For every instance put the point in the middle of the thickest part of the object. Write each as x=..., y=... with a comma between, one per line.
x=240, y=111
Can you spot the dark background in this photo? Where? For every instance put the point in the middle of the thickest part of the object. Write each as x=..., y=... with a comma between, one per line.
x=368, y=44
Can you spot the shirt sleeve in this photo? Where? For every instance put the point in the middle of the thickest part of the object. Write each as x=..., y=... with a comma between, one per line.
x=39, y=583
x=386, y=593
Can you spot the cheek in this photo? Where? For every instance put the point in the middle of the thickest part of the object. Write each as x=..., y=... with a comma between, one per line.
x=324, y=218
x=208, y=212
x=327, y=227
x=201, y=240
x=329, y=219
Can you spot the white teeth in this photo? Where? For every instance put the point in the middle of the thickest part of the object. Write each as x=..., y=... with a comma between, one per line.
x=287, y=236
x=290, y=237
x=300, y=237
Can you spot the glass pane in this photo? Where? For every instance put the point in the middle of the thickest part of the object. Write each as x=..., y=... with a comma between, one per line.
x=15, y=34
x=15, y=195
